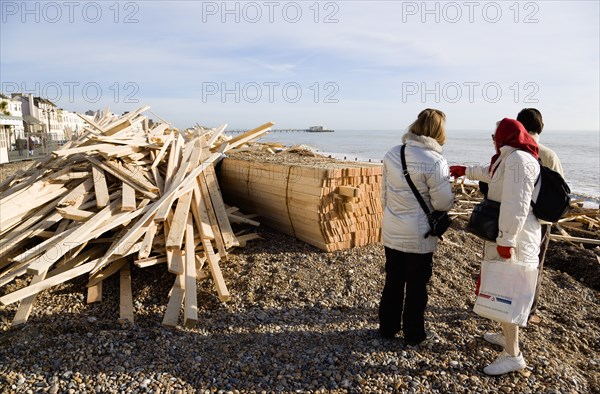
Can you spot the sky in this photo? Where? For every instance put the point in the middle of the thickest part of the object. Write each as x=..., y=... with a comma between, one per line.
x=342, y=64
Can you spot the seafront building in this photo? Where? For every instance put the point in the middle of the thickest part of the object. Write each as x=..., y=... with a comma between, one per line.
x=32, y=125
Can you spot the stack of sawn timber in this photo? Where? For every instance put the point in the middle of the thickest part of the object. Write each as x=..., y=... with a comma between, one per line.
x=332, y=206
x=121, y=193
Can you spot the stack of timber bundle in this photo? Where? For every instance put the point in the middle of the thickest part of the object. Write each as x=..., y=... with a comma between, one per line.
x=120, y=194
x=330, y=205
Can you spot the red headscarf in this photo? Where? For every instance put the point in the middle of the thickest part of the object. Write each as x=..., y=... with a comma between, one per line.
x=512, y=133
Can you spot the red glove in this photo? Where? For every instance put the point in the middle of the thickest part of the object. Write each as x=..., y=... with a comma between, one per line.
x=504, y=251
x=457, y=171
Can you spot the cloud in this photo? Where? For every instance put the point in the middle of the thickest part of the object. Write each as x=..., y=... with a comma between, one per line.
x=369, y=52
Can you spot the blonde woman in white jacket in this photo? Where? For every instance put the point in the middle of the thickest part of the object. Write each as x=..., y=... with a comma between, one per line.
x=511, y=176
x=409, y=254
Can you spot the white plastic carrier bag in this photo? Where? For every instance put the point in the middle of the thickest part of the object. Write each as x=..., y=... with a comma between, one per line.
x=506, y=291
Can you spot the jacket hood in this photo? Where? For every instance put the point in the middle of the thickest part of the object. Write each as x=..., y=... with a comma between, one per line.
x=424, y=141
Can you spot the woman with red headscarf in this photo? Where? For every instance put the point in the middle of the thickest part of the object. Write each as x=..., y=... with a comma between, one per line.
x=511, y=175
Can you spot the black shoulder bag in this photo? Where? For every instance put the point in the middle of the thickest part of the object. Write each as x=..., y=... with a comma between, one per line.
x=439, y=221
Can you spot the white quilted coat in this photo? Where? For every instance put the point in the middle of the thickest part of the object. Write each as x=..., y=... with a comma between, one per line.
x=513, y=185
x=404, y=221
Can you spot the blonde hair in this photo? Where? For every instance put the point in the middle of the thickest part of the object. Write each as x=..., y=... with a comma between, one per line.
x=430, y=123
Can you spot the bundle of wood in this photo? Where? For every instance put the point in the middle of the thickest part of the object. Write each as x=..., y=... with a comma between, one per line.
x=581, y=221
x=120, y=193
x=330, y=205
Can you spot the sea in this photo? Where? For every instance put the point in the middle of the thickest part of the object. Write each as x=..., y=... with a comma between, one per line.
x=578, y=151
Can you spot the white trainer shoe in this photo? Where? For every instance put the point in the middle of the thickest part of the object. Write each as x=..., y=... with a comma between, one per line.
x=495, y=338
x=505, y=363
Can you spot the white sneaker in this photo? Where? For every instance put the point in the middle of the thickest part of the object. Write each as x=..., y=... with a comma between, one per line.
x=505, y=363
x=495, y=338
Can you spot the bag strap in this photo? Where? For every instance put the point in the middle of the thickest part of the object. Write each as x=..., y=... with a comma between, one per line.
x=410, y=182
x=531, y=203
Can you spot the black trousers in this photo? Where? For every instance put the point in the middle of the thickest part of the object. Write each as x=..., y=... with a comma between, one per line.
x=404, y=296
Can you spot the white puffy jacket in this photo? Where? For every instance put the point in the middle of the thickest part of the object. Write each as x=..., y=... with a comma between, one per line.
x=513, y=185
x=404, y=221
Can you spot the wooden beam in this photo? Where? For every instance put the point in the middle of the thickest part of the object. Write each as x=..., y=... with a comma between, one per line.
x=46, y=283
x=100, y=187
x=94, y=293
x=190, y=312
x=557, y=237
x=349, y=191
x=125, y=296
x=177, y=265
x=26, y=305
x=175, y=300
x=125, y=175
x=128, y=197
x=215, y=270
x=107, y=272
x=249, y=135
x=146, y=247
x=178, y=225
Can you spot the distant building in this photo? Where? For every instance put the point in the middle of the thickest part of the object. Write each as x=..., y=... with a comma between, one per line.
x=11, y=116
x=11, y=125
x=72, y=124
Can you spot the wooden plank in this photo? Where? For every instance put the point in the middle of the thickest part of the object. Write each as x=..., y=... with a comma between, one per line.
x=249, y=135
x=190, y=312
x=172, y=162
x=73, y=238
x=150, y=261
x=177, y=265
x=216, y=134
x=26, y=304
x=178, y=225
x=191, y=159
x=89, y=149
x=133, y=232
x=201, y=214
x=175, y=300
x=219, y=207
x=162, y=151
x=75, y=214
x=125, y=296
x=557, y=237
x=128, y=198
x=100, y=187
x=134, y=181
x=146, y=247
x=26, y=229
x=46, y=284
x=43, y=247
x=240, y=219
x=14, y=212
x=215, y=270
x=91, y=123
x=349, y=191
x=94, y=293
x=213, y=221
x=108, y=271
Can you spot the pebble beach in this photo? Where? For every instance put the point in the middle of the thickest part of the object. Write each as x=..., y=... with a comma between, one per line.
x=302, y=320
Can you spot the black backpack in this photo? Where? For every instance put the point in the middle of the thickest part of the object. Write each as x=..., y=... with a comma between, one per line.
x=553, y=200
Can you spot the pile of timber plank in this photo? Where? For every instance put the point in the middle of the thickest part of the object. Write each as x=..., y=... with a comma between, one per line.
x=330, y=205
x=584, y=222
x=121, y=193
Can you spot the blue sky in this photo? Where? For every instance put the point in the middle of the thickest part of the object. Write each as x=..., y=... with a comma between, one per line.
x=343, y=64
